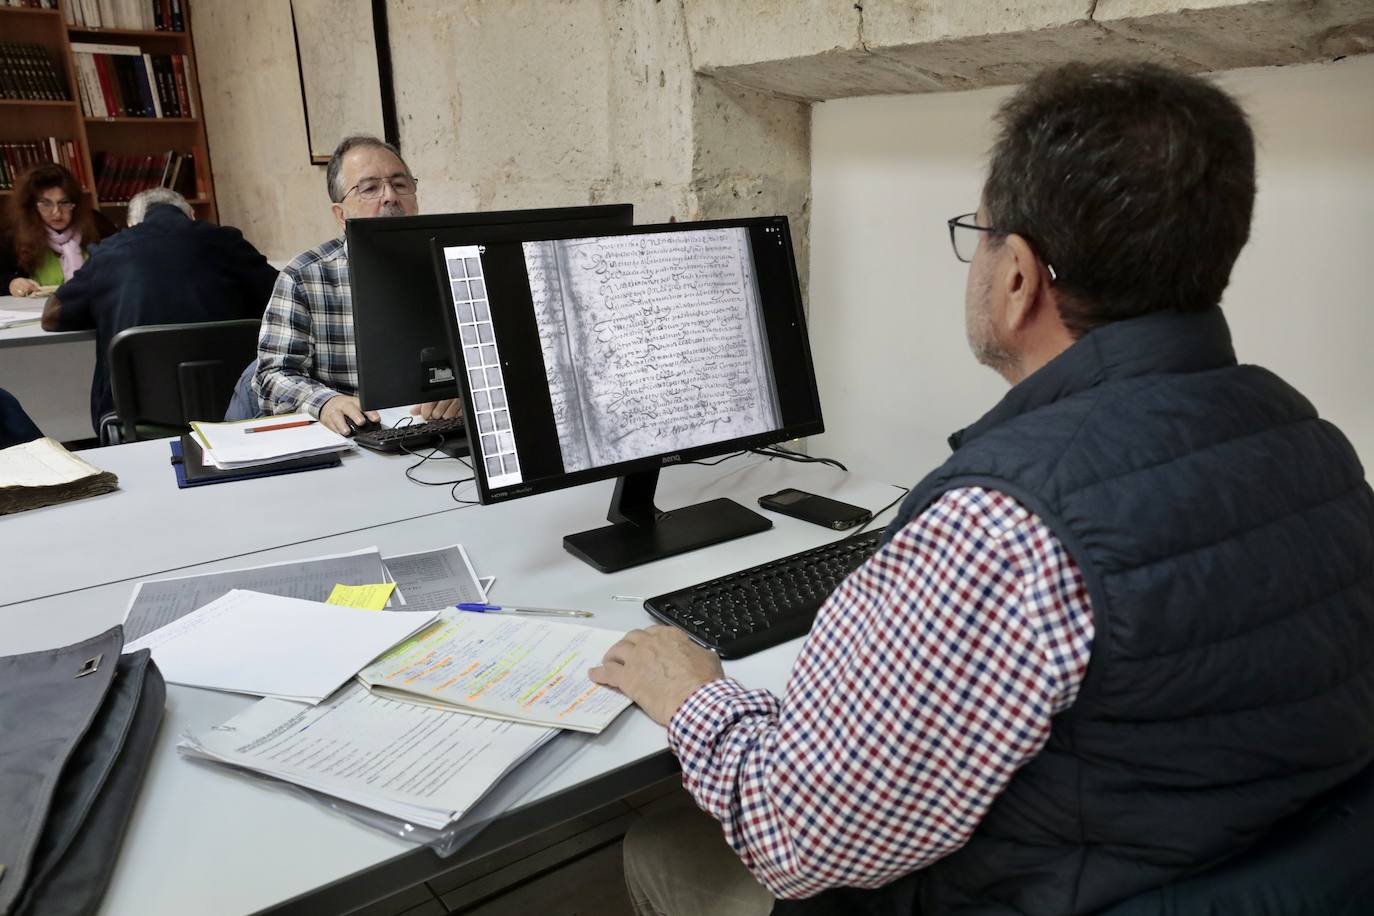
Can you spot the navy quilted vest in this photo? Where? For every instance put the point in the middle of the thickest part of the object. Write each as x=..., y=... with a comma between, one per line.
x=1227, y=538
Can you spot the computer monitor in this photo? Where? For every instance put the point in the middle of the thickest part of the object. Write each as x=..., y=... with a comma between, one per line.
x=616, y=354
x=398, y=315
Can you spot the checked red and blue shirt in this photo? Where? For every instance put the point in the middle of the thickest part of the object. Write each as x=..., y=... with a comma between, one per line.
x=930, y=676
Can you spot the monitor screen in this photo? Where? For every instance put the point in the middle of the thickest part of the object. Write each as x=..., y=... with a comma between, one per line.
x=622, y=352
x=398, y=315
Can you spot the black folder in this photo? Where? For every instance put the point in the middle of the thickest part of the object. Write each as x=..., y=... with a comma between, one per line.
x=192, y=473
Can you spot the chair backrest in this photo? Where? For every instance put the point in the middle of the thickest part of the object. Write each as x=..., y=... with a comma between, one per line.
x=167, y=375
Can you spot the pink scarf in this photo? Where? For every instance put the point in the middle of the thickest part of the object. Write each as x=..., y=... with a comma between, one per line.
x=68, y=247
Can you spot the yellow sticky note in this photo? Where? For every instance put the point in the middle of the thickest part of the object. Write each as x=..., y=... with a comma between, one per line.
x=367, y=597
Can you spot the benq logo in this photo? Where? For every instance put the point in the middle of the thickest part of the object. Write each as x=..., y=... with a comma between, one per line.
x=672, y=459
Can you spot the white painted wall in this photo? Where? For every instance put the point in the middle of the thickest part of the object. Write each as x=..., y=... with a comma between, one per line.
x=886, y=293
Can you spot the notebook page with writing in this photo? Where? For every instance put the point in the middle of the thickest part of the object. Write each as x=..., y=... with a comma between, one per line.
x=510, y=667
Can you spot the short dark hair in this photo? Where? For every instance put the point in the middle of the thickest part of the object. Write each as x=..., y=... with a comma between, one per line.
x=331, y=172
x=1135, y=182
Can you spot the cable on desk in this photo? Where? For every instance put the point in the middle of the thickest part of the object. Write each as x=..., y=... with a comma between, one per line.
x=777, y=451
x=859, y=530
x=772, y=451
x=453, y=485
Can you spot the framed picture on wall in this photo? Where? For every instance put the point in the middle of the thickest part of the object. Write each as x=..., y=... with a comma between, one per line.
x=345, y=68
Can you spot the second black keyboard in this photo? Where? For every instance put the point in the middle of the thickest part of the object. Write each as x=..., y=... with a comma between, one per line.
x=759, y=607
x=410, y=436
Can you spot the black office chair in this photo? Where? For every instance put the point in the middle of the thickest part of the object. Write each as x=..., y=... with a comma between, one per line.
x=166, y=375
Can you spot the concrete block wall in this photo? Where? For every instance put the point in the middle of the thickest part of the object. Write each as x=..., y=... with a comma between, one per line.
x=689, y=109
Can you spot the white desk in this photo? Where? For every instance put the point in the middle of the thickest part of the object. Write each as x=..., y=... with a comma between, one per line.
x=149, y=528
x=203, y=840
x=48, y=371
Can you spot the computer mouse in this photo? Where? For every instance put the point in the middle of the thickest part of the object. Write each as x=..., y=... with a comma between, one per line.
x=366, y=426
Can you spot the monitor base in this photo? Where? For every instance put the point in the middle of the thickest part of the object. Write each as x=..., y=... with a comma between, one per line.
x=628, y=543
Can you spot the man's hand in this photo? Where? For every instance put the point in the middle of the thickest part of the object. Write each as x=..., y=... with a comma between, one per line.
x=439, y=410
x=23, y=286
x=658, y=668
x=341, y=408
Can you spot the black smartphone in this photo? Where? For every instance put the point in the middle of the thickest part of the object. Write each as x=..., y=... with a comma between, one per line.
x=829, y=513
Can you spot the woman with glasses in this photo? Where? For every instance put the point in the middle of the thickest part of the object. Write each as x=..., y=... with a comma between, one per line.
x=51, y=226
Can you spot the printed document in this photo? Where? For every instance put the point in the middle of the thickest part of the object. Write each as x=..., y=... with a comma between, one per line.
x=157, y=603
x=436, y=579
x=247, y=642
x=425, y=766
x=505, y=666
x=266, y=440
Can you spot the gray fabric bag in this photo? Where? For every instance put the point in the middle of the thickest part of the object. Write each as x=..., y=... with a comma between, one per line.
x=77, y=726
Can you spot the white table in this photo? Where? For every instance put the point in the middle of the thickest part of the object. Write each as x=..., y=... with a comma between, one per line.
x=48, y=371
x=148, y=527
x=203, y=840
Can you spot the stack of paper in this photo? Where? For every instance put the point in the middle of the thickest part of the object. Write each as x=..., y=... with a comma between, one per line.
x=422, y=765
x=508, y=667
x=266, y=440
x=42, y=473
x=246, y=642
x=12, y=317
x=159, y=602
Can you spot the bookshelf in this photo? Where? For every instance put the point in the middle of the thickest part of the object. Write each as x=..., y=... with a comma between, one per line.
x=128, y=139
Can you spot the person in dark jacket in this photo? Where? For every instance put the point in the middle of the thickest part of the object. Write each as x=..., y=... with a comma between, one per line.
x=16, y=427
x=167, y=268
x=1120, y=635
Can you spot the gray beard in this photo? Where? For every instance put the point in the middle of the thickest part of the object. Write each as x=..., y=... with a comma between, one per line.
x=982, y=340
x=391, y=208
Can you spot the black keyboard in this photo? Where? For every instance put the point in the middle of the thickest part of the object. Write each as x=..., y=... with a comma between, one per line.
x=759, y=607
x=411, y=436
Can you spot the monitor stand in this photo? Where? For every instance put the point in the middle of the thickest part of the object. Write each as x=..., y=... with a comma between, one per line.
x=640, y=533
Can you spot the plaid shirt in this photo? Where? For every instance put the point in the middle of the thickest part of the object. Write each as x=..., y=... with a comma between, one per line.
x=930, y=676
x=306, y=353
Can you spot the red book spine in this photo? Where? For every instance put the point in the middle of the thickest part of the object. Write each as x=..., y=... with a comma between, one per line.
x=183, y=94
x=102, y=69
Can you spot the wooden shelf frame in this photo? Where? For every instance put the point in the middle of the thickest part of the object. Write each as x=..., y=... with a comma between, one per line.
x=32, y=120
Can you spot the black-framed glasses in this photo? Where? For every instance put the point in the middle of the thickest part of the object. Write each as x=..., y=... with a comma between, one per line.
x=373, y=188
x=66, y=206
x=964, y=232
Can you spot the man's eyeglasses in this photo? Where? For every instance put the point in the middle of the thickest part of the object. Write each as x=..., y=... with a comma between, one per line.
x=963, y=236
x=373, y=188
x=66, y=206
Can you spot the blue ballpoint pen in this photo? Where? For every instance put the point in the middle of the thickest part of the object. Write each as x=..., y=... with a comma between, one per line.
x=507, y=609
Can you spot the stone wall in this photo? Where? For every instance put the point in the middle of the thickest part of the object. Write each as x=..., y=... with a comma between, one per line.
x=689, y=109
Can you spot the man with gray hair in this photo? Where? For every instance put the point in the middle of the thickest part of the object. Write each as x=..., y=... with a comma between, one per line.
x=307, y=360
x=138, y=207
x=167, y=268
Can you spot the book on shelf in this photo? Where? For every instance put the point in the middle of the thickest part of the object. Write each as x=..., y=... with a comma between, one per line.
x=120, y=81
x=118, y=177
x=140, y=15
x=31, y=4
x=16, y=158
x=28, y=72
